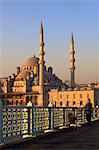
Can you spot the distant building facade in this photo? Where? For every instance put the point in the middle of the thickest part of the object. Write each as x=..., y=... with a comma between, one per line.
x=73, y=97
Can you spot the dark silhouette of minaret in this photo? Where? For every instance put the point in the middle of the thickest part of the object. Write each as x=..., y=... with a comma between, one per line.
x=72, y=60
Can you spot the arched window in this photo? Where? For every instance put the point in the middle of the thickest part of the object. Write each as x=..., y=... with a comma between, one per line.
x=36, y=100
x=61, y=103
x=67, y=96
x=12, y=102
x=3, y=102
x=74, y=96
x=54, y=103
x=60, y=96
x=74, y=103
x=7, y=102
x=31, y=98
x=27, y=99
x=80, y=103
x=48, y=96
x=21, y=102
x=17, y=102
x=67, y=103
x=80, y=95
x=88, y=95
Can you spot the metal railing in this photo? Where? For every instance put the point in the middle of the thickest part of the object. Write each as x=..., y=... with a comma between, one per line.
x=17, y=121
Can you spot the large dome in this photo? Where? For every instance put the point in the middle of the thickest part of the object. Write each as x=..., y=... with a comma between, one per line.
x=29, y=67
x=32, y=61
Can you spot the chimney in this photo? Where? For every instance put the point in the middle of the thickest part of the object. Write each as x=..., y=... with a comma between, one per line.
x=13, y=75
x=44, y=68
x=50, y=70
x=17, y=70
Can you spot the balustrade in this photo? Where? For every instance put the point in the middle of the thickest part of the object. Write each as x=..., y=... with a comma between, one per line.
x=17, y=121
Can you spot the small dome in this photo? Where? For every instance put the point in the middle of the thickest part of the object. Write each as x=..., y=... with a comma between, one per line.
x=82, y=88
x=69, y=89
x=63, y=89
x=76, y=88
x=89, y=88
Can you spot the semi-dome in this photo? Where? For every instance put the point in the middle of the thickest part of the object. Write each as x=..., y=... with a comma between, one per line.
x=22, y=75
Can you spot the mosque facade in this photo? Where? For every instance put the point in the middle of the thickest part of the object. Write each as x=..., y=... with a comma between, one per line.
x=35, y=83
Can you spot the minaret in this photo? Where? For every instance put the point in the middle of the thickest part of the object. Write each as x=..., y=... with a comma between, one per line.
x=41, y=63
x=72, y=60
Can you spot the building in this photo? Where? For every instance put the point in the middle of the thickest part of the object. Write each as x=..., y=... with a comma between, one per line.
x=35, y=83
x=31, y=82
x=74, y=97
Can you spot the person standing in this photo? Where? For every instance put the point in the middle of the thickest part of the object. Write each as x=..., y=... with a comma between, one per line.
x=88, y=110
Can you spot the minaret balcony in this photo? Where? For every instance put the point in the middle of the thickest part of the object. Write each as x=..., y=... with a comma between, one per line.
x=41, y=44
x=41, y=62
x=41, y=53
x=72, y=60
x=72, y=67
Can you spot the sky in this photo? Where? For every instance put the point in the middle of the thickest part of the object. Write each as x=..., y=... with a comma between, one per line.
x=19, y=35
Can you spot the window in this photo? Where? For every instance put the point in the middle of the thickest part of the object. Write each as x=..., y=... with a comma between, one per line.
x=87, y=95
x=17, y=102
x=12, y=102
x=21, y=102
x=74, y=96
x=67, y=96
x=7, y=102
x=73, y=102
x=60, y=96
x=27, y=99
x=36, y=100
x=80, y=103
x=20, y=84
x=48, y=96
x=80, y=95
x=54, y=103
x=61, y=103
x=31, y=99
x=67, y=104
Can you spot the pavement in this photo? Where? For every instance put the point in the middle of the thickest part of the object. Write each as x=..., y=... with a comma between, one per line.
x=86, y=137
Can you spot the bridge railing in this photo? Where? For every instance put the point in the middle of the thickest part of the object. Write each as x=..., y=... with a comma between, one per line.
x=21, y=121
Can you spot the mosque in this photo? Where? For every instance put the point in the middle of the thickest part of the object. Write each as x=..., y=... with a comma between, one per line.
x=35, y=83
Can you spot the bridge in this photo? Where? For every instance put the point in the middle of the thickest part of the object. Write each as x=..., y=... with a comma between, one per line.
x=28, y=127
x=72, y=138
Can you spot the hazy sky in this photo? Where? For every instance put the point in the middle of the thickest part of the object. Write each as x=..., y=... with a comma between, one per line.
x=19, y=35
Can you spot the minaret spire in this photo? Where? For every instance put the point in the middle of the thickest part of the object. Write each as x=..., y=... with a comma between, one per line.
x=41, y=33
x=72, y=60
x=41, y=63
